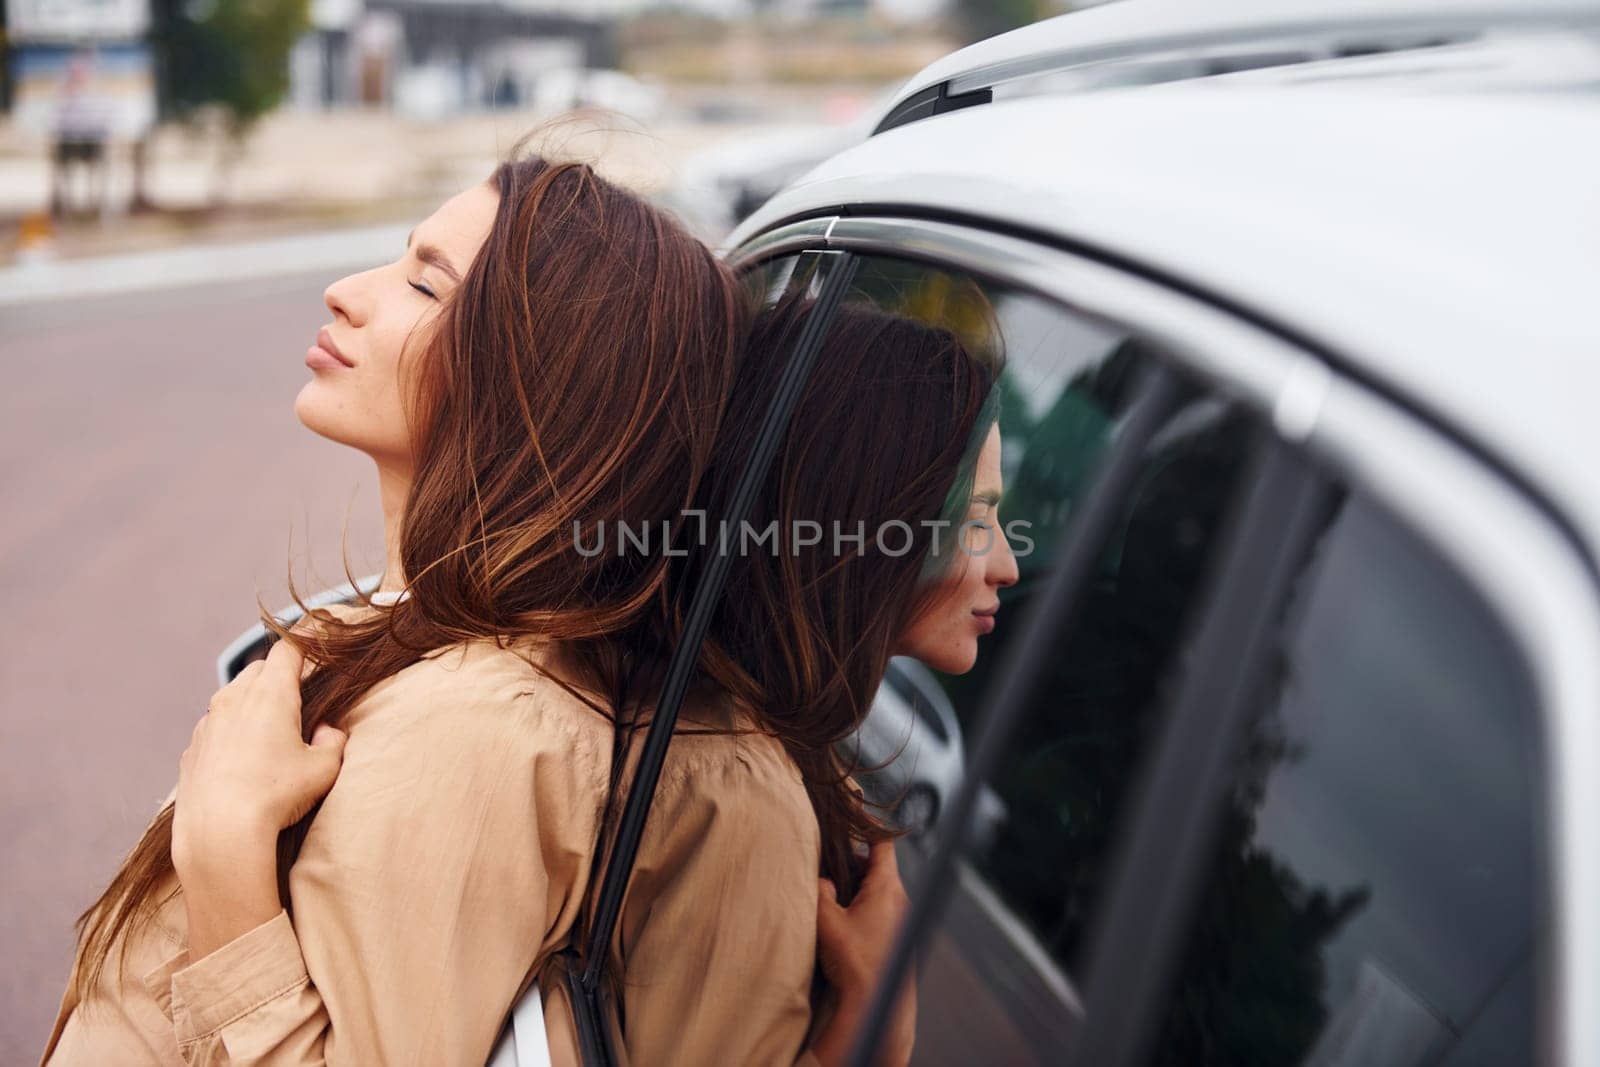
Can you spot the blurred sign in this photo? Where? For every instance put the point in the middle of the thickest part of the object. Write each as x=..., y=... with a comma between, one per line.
x=75, y=20
x=88, y=93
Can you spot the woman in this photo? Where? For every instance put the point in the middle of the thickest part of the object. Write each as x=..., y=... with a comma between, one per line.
x=578, y=351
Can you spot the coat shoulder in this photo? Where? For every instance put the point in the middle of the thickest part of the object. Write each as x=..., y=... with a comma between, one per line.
x=478, y=695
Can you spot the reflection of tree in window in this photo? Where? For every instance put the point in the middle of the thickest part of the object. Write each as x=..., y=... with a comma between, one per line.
x=1372, y=899
x=1073, y=761
x=1253, y=983
x=1094, y=716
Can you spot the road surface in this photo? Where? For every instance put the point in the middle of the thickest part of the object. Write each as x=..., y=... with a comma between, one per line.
x=154, y=478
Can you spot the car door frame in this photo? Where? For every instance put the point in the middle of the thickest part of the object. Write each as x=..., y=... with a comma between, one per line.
x=1500, y=535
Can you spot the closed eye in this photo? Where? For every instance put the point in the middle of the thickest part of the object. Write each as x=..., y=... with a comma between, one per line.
x=423, y=289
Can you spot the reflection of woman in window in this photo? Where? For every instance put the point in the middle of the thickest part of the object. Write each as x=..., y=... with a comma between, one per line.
x=883, y=509
x=573, y=350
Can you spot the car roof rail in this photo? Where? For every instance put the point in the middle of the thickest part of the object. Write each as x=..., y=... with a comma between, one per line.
x=1196, y=40
x=934, y=100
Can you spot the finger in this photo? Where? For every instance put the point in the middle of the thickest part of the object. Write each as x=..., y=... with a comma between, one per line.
x=828, y=907
x=242, y=679
x=327, y=743
x=883, y=866
x=830, y=914
x=284, y=662
x=329, y=737
x=248, y=671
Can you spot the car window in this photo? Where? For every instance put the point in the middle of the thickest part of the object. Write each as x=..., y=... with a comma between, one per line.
x=998, y=979
x=769, y=281
x=1374, y=897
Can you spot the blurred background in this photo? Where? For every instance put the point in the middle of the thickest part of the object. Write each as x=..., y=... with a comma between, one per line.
x=138, y=123
x=179, y=181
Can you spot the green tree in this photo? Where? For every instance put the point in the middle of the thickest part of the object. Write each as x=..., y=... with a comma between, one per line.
x=5, y=60
x=977, y=19
x=228, y=55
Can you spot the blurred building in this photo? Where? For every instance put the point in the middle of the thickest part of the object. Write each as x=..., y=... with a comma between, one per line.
x=434, y=58
x=438, y=57
x=896, y=11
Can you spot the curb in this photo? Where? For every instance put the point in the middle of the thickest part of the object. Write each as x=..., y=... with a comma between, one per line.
x=46, y=280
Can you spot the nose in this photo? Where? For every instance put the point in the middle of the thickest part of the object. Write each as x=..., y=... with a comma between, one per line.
x=1003, y=570
x=344, y=299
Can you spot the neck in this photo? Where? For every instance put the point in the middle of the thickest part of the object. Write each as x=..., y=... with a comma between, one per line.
x=394, y=486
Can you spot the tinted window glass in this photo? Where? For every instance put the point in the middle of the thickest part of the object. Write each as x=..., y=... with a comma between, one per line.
x=997, y=983
x=1374, y=897
x=1093, y=710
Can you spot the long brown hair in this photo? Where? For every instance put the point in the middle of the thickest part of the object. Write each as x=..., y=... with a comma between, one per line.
x=880, y=446
x=578, y=375
x=599, y=366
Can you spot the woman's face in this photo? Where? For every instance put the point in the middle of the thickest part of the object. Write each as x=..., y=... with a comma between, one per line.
x=945, y=636
x=354, y=394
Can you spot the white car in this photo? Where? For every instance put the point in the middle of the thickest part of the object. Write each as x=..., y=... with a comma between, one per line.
x=913, y=735
x=911, y=749
x=1295, y=711
x=719, y=185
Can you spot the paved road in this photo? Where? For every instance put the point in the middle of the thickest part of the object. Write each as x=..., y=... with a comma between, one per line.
x=153, y=477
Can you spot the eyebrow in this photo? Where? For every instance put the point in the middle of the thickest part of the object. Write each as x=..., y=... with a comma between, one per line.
x=431, y=254
x=988, y=496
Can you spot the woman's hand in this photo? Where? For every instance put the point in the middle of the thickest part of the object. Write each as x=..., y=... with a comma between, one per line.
x=855, y=943
x=245, y=776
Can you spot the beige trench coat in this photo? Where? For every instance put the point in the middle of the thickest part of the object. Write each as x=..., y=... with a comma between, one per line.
x=445, y=867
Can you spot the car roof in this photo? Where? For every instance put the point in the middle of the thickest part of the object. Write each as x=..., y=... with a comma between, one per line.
x=1428, y=217
x=1134, y=30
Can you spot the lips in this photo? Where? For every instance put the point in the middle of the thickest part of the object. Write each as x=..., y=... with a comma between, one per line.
x=325, y=342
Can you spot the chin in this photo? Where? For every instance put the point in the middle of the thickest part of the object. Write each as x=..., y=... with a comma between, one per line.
x=956, y=660
x=317, y=414
x=963, y=663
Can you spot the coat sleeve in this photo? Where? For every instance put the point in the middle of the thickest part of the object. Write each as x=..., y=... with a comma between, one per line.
x=719, y=935
x=446, y=861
